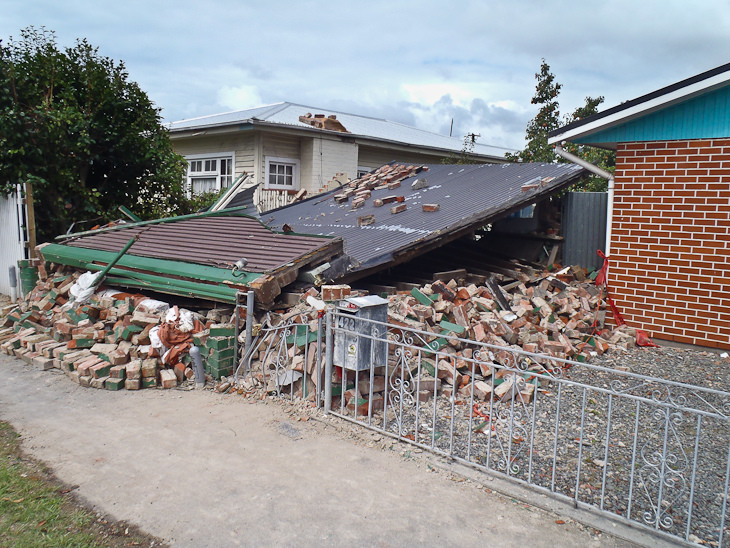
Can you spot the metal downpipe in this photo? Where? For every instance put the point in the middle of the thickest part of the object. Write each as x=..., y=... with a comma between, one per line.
x=601, y=173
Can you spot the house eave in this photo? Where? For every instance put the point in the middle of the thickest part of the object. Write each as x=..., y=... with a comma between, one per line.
x=637, y=108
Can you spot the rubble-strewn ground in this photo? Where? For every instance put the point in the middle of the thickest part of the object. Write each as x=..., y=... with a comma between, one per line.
x=202, y=469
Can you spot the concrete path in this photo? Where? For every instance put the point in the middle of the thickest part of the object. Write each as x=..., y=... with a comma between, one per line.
x=200, y=469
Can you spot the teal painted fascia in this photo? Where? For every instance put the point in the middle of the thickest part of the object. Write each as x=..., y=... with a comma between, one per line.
x=245, y=127
x=80, y=257
x=704, y=117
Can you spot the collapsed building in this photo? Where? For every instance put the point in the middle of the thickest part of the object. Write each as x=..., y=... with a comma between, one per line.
x=433, y=228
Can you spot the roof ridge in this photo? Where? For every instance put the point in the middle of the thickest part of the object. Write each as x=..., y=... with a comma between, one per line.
x=226, y=112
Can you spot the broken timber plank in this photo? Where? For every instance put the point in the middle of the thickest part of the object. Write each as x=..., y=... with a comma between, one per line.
x=496, y=292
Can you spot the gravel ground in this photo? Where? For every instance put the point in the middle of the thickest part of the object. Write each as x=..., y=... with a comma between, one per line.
x=599, y=441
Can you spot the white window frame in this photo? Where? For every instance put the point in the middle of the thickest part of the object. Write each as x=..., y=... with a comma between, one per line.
x=217, y=156
x=269, y=160
x=362, y=171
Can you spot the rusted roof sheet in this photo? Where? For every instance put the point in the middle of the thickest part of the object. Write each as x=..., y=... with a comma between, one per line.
x=214, y=240
x=468, y=197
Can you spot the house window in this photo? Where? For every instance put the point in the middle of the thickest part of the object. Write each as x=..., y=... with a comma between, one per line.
x=362, y=171
x=282, y=173
x=209, y=173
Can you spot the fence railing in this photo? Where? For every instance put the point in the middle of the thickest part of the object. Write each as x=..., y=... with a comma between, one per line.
x=644, y=449
x=641, y=449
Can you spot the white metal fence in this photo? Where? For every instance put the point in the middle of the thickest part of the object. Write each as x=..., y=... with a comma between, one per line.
x=641, y=450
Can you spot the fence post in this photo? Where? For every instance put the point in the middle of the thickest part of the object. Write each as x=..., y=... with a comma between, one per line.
x=249, y=319
x=237, y=324
x=318, y=361
x=328, y=363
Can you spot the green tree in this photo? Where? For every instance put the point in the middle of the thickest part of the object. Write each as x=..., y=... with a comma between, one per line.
x=466, y=155
x=88, y=139
x=546, y=120
x=603, y=158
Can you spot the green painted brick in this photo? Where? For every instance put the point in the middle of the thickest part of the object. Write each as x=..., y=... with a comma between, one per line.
x=222, y=330
x=85, y=343
x=104, y=370
x=437, y=344
x=424, y=299
x=218, y=372
x=128, y=331
x=456, y=328
x=214, y=361
x=302, y=335
x=149, y=382
x=15, y=316
x=220, y=354
x=219, y=343
x=114, y=384
x=200, y=338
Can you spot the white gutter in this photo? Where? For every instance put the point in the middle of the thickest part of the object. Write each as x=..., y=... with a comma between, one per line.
x=601, y=173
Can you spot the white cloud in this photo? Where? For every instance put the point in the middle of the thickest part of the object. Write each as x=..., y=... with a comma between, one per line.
x=416, y=62
x=239, y=97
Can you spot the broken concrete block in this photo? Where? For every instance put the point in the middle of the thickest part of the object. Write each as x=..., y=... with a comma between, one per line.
x=335, y=292
x=149, y=368
x=134, y=370
x=98, y=382
x=366, y=220
x=132, y=384
x=168, y=379
x=419, y=183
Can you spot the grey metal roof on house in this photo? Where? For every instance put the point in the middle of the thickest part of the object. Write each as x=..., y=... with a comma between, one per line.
x=214, y=240
x=468, y=196
x=287, y=114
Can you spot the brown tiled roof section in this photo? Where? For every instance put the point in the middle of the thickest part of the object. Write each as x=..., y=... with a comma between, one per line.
x=213, y=241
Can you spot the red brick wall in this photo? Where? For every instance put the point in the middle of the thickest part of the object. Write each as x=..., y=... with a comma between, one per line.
x=670, y=246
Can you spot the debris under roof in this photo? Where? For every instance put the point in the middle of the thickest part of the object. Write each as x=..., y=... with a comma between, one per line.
x=399, y=212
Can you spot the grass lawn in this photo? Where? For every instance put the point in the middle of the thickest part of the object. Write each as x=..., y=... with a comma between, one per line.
x=37, y=510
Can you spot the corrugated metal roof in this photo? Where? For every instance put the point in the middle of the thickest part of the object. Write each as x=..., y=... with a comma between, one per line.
x=364, y=126
x=213, y=240
x=467, y=195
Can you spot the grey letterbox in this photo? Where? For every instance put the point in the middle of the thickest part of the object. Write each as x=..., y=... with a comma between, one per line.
x=358, y=343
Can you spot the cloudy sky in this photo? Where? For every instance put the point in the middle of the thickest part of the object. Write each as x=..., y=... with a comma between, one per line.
x=422, y=63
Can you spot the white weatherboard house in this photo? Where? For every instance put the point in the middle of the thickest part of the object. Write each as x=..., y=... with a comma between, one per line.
x=290, y=147
x=13, y=238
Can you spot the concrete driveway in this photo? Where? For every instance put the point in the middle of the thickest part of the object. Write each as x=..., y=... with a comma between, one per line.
x=201, y=469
